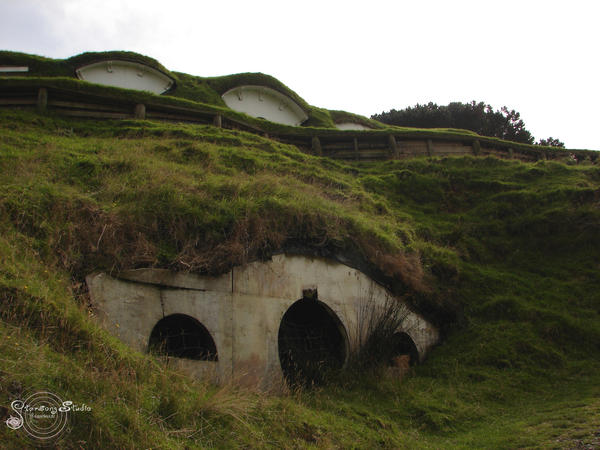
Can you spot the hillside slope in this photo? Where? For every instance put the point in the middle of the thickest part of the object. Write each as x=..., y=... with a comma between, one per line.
x=503, y=255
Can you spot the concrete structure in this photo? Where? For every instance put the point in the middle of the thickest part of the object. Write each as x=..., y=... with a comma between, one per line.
x=248, y=320
x=14, y=69
x=265, y=103
x=125, y=74
x=351, y=126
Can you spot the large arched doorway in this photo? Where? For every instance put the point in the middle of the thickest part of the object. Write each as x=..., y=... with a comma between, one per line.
x=182, y=336
x=312, y=342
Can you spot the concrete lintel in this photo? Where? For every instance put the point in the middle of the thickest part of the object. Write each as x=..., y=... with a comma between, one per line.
x=11, y=69
x=167, y=278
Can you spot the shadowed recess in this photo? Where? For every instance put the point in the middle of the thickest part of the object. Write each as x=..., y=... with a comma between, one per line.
x=183, y=337
x=312, y=342
x=403, y=345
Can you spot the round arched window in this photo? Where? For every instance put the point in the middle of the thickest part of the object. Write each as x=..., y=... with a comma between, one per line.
x=182, y=336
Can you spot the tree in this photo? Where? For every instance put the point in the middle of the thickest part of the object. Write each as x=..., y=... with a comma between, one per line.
x=475, y=116
x=551, y=142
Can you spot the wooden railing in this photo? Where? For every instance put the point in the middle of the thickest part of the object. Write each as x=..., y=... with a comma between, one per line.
x=348, y=145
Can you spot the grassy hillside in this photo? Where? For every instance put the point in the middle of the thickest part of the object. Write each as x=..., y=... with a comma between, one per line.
x=502, y=255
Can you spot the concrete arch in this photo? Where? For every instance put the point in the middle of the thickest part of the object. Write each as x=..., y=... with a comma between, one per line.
x=125, y=74
x=243, y=309
x=265, y=103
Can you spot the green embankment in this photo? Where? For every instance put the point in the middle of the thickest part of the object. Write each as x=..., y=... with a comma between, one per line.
x=503, y=255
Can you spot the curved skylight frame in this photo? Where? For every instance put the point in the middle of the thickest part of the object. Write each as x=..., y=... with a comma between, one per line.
x=265, y=103
x=155, y=81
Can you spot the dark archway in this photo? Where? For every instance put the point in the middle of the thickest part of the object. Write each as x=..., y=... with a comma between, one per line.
x=183, y=337
x=312, y=342
x=403, y=345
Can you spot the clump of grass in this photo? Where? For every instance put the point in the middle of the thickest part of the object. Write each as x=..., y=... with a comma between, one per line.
x=377, y=326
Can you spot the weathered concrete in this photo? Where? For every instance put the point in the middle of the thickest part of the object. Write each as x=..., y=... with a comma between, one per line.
x=351, y=126
x=13, y=69
x=125, y=74
x=243, y=309
x=265, y=103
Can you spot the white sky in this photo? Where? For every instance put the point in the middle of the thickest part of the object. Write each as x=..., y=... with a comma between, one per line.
x=538, y=57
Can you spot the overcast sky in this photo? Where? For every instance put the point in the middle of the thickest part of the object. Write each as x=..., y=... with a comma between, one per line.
x=538, y=57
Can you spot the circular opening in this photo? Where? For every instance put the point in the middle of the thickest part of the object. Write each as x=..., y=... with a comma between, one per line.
x=312, y=342
x=183, y=337
x=403, y=350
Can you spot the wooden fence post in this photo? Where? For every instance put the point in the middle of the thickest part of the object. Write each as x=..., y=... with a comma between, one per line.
x=393, y=146
x=42, y=99
x=140, y=111
x=316, y=146
x=430, y=150
x=218, y=121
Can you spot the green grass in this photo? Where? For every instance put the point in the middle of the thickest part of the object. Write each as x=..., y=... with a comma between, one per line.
x=502, y=255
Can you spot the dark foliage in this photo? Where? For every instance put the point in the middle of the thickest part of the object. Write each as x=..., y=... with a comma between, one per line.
x=551, y=142
x=479, y=117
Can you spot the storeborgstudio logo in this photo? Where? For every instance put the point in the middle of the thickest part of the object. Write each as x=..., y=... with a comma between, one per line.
x=43, y=416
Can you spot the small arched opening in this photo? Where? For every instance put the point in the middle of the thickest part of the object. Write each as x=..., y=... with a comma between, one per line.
x=312, y=342
x=182, y=336
x=403, y=350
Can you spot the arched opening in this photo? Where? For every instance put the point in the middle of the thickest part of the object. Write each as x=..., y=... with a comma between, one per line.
x=403, y=350
x=183, y=337
x=312, y=342
x=127, y=75
x=265, y=102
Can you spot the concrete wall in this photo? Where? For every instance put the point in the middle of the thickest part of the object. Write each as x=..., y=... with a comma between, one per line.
x=125, y=74
x=242, y=309
x=351, y=126
x=266, y=103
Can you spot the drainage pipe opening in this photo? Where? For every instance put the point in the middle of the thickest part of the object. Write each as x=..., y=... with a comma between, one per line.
x=404, y=352
x=182, y=336
x=312, y=342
